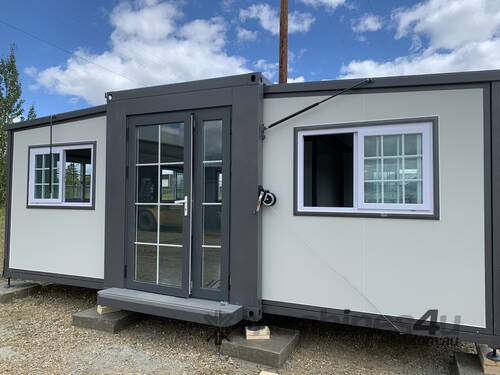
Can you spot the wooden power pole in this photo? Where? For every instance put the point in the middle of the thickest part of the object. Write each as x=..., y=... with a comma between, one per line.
x=283, y=68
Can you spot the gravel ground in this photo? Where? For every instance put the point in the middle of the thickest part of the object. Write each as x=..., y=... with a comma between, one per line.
x=36, y=337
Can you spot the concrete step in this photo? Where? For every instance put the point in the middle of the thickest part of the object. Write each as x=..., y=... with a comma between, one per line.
x=18, y=289
x=111, y=322
x=273, y=352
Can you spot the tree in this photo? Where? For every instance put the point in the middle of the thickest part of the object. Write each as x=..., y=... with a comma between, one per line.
x=11, y=109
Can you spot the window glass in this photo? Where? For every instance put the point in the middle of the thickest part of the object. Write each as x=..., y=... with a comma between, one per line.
x=373, y=168
x=45, y=186
x=386, y=171
x=328, y=170
x=65, y=177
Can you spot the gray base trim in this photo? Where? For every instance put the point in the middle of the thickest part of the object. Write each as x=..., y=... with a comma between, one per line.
x=361, y=319
x=84, y=282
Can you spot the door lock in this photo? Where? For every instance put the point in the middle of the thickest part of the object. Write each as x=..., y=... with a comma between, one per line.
x=185, y=202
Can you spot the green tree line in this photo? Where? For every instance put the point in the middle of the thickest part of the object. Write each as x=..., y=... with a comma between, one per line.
x=11, y=110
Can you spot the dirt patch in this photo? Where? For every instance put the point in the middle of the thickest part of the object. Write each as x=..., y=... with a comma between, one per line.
x=36, y=336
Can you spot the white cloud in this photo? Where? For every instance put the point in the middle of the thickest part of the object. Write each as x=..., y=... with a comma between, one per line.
x=268, y=18
x=446, y=36
x=368, y=22
x=329, y=4
x=245, y=35
x=296, y=79
x=149, y=45
x=269, y=69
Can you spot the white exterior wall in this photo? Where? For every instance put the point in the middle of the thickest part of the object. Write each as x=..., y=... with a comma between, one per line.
x=58, y=240
x=381, y=265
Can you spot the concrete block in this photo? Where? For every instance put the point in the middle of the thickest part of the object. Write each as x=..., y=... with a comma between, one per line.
x=273, y=352
x=18, y=289
x=489, y=366
x=467, y=364
x=112, y=322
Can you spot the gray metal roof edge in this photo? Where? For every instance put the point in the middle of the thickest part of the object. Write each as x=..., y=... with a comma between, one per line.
x=387, y=82
x=58, y=118
x=252, y=78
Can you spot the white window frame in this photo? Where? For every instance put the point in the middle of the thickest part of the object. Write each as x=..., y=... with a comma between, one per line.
x=60, y=150
x=359, y=132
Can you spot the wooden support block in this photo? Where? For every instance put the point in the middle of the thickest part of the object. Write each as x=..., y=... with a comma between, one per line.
x=106, y=309
x=489, y=366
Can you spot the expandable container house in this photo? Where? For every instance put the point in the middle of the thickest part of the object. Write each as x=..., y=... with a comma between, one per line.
x=387, y=201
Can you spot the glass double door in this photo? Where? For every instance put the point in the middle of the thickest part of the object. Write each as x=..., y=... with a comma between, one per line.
x=178, y=203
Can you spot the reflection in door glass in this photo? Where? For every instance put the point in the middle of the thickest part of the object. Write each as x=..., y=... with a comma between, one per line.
x=212, y=205
x=212, y=140
x=170, y=270
x=172, y=142
x=159, y=250
x=172, y=183
x=147, y=225
x=147, y=144
x=145, y=263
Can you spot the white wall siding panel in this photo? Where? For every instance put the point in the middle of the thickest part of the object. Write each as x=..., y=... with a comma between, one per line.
x=382, y=265
x=56, y=240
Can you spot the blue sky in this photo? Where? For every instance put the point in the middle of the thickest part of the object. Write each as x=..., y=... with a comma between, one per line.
x=96, y=46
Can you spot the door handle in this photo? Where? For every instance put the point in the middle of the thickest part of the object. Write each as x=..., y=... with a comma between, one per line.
x=185, y=203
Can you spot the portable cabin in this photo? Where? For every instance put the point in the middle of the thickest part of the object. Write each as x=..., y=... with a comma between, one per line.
x=385, y=192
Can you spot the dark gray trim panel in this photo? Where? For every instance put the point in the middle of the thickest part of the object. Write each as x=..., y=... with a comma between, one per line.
x=191, y=86
x=60, y=118
x=8, y=204
x=245, y=238
x=361, y=319
x=387, y=82
x=493, y=267
x=84, y=282
x=435, y=163
x=62, y=206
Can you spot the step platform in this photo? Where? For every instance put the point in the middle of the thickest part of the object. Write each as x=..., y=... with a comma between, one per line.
x=212, y=313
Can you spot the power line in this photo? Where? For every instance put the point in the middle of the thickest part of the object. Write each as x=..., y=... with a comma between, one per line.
x=53, y=45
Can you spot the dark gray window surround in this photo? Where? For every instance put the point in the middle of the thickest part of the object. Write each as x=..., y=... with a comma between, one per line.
x=395, y=215
x=247, y=102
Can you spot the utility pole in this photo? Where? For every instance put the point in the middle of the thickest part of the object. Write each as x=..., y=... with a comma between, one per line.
x=283, y=68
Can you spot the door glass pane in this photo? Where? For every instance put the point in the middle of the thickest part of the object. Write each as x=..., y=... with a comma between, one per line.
x=172, y=183
x=211, y=268
x=170, y=271
x=147, y=144
x=145, y=263
x=212, y=225
x=172, y=142
x=171, y=221
x=212, y=140
x=213, y=183
x=147, y=184
x=147, y=225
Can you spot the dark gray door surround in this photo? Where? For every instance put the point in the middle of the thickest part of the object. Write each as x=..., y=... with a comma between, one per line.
x=243, y=95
